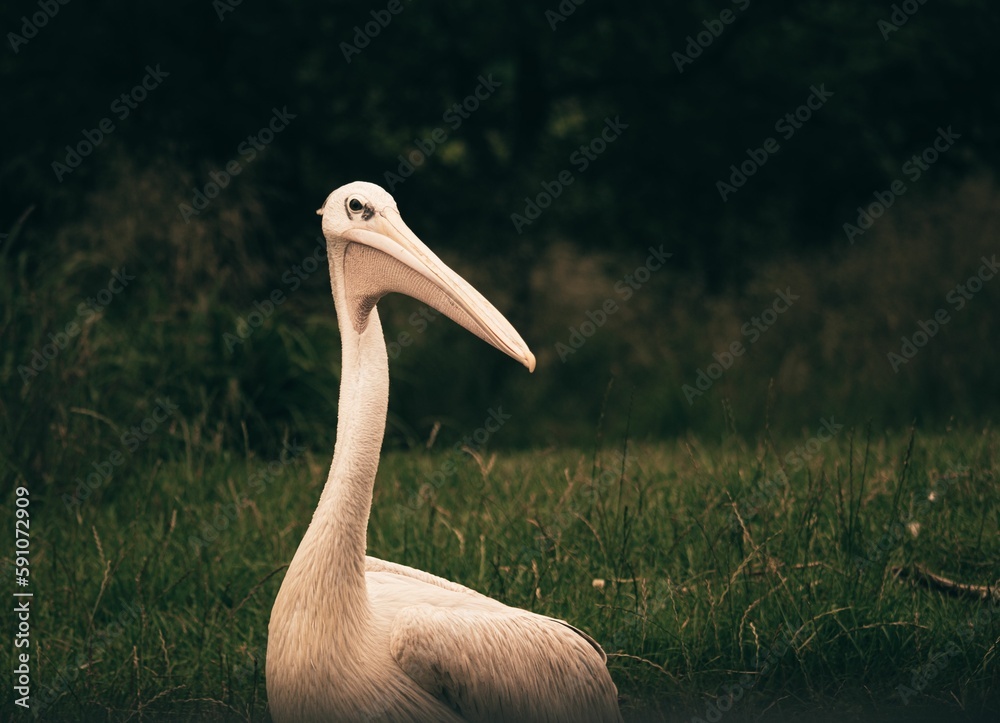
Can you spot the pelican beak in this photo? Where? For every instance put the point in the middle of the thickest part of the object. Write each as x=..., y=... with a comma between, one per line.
x=434, y=283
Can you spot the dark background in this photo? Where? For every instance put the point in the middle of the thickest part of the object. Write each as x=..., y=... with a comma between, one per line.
x=654, y=185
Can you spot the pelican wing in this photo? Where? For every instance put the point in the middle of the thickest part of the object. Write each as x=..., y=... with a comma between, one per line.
x=374, y=564
x=504, y=664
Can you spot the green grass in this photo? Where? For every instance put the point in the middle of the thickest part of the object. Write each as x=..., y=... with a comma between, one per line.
x=152, y=596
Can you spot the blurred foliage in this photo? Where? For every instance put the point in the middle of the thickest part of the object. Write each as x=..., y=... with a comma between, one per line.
x=556, y=87
x=198, y=279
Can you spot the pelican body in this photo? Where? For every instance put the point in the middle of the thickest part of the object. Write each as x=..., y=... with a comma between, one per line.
x=354, y=638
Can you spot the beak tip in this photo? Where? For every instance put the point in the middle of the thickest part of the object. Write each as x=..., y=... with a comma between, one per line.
x=530, y=362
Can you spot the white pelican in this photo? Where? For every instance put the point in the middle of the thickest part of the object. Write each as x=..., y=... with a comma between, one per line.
x=354, y=638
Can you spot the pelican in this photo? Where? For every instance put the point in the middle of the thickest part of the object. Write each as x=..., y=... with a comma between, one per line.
x=354, y=638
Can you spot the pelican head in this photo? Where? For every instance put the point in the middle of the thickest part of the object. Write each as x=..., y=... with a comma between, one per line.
x=373, y=253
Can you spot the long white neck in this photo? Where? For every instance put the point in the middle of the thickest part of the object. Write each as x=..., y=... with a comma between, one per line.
x=328, y=570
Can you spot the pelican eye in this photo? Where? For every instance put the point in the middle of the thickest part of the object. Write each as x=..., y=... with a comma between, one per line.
x=355, y=205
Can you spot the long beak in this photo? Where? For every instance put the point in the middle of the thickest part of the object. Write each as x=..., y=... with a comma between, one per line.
x=441, y=287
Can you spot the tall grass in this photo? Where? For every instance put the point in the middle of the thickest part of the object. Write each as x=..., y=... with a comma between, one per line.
x=153, y=595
